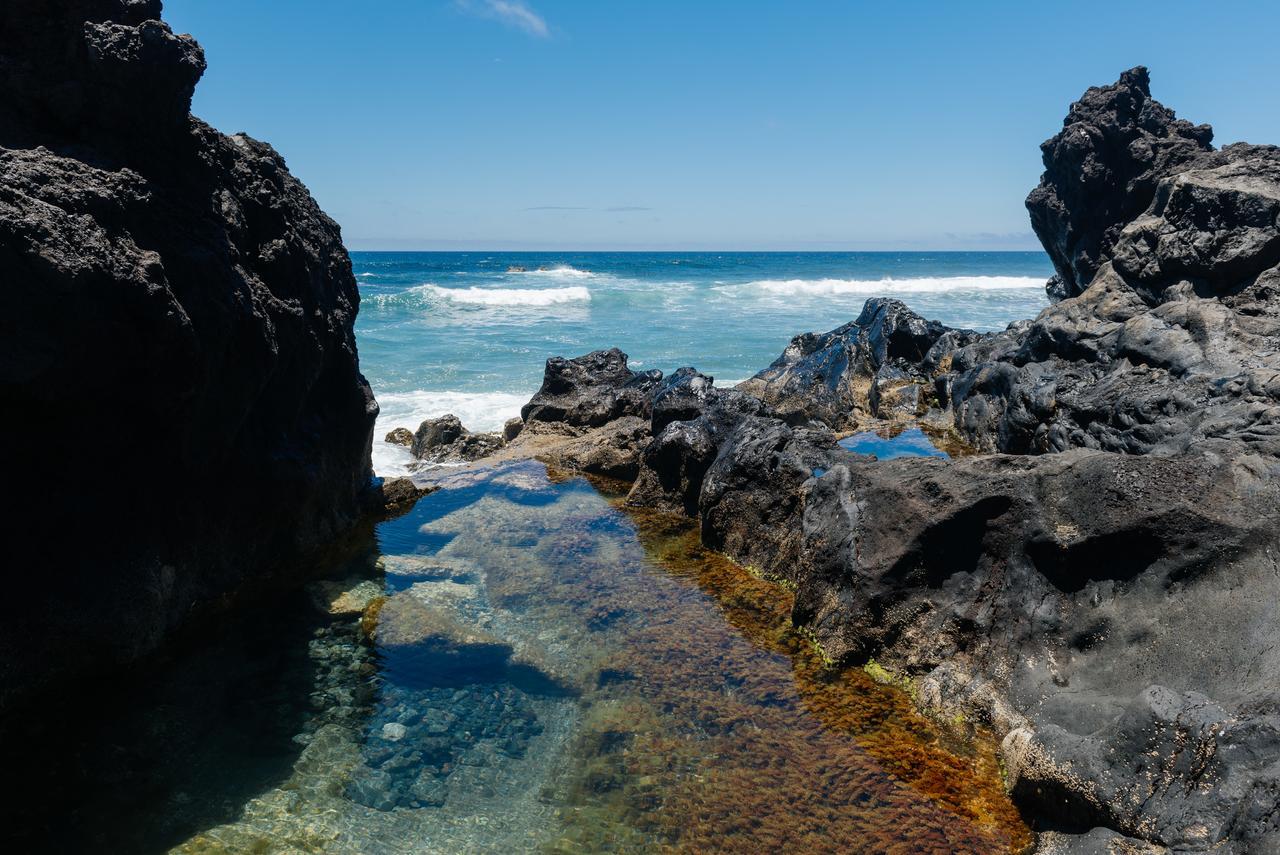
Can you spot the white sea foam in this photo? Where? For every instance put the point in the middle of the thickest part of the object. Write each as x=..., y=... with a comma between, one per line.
x=366, y=275
x=921, y=285
x=478, y=411
x=512, y=296
x=562, y=272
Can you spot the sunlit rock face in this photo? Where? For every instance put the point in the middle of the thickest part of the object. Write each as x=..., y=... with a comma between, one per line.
x=177, y=302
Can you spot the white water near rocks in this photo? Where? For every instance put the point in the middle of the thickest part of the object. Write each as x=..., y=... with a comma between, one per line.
x=468, y=333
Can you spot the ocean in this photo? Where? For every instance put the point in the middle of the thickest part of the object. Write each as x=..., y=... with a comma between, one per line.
x=468, y=332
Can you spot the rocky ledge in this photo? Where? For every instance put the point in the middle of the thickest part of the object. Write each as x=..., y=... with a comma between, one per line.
x=1098, y=582
x=185, y=414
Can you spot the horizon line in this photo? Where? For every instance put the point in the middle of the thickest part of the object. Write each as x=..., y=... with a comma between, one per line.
x=700, y=249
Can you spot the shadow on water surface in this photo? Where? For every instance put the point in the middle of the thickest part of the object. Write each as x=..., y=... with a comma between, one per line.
x=145, y=762
x=526, y=667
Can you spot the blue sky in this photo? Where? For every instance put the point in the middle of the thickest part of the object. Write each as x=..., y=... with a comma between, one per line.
x=613, y=124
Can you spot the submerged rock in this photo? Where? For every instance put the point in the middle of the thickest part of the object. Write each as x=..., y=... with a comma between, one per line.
x=454, y=650
x=181, y=292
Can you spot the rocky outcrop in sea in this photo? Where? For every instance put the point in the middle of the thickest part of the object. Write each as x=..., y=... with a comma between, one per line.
x=184, y=411
x=1097, y=579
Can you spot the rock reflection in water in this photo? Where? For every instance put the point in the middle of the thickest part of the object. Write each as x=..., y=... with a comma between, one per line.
x=527, y=667
x=890, y=444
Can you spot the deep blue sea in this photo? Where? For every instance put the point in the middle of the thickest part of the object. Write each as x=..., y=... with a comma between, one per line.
x=468, y=332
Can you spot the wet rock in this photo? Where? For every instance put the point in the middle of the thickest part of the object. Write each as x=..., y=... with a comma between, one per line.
x=843, y=376
x=445, y=439
x=400, y=436
x=592, y=390
x=187, y=284
x=398, y=495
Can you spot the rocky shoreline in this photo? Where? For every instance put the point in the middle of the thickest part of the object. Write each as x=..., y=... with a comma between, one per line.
x=1098, y=582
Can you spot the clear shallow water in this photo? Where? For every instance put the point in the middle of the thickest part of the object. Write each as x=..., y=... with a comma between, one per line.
x=517, y=665
x=468, y=333
x=912, y=442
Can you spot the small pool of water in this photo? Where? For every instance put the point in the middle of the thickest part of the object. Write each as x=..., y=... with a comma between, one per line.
x=912, y=442
x=518, y=665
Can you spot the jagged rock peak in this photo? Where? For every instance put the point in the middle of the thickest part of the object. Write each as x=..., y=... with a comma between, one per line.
x=1101, y=171
x=105, y=72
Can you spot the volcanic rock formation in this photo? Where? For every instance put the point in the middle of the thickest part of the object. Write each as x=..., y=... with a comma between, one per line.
x=180, y=306
x=1099, y=582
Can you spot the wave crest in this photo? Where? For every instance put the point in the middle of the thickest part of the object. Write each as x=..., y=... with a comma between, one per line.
x=924, y=284
x=561, y=271
x=512, y=296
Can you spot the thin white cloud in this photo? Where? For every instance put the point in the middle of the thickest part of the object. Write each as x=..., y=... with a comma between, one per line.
x=513, y=13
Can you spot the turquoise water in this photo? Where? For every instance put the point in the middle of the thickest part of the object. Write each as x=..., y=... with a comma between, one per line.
x=468, y=333
x=518, y=664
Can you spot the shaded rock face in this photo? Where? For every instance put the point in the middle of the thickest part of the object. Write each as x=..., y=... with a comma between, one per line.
x=179, y=296
x=1100, y=585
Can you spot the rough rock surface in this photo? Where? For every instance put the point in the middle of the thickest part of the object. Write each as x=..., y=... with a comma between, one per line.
x=591, y=390
x=446, y=439
x=1101, y=171
x=863, y=370
x=1099, y=584
x=176, y=297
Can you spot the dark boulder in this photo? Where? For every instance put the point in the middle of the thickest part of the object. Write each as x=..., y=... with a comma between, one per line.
x=672, y=467
x=1101, y=171
x=680, y=397
x=181, y=293
x=400, y=436
x=444, y=439
x=432, y=434
x=866, y=369
x=398, y=495
x=592, y=390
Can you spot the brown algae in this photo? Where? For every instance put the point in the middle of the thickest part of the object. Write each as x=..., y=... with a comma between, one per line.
x=632, y=692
